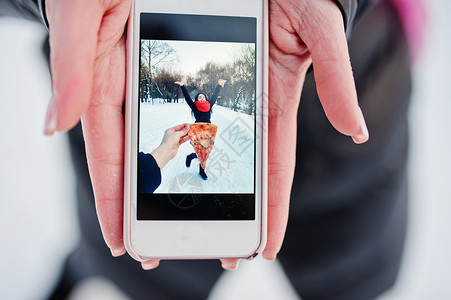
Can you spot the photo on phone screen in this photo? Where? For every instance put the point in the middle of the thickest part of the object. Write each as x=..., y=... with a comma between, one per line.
x=199, y=70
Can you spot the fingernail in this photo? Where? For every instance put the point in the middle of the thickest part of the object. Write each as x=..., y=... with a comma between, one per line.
x=270, y=257
x=230, y=266
x=150, y=264
x=363, y=136
x=51, y=118
x=117, y=252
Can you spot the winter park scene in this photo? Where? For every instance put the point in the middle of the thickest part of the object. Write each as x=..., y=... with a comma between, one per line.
x=173, y=77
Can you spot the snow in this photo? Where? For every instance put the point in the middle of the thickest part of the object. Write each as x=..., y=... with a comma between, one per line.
x=230, y=167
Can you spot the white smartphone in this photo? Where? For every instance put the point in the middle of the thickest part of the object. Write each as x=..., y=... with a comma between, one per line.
x=207, y=202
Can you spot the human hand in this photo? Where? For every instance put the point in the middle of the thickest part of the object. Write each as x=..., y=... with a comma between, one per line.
x=172, y=139
x=179, y=83
x=221, y=82
x=87, y=63
x=302, y=33
x=88, y=80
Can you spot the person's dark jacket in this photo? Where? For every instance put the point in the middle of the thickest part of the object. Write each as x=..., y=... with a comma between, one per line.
x=21, y=8
x=201, y=116
x=149, y=174
x=347, y=224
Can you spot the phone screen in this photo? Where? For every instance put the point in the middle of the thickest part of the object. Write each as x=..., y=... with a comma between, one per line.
x=199, y=70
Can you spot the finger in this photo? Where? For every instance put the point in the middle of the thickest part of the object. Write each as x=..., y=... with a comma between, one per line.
x=288, y=64
x=73, y=40
x=181, y=127
x=150, y=264
x=285, y=82
x=333, y=73
x=184, y=139
x=180, y=135
x=103, y=129
x=178, y=128
x=104, y=151
x=230, y=264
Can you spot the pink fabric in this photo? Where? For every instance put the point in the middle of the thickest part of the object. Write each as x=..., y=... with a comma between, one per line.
x=413, y=17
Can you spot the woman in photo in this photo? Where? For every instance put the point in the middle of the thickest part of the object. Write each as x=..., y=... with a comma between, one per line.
x=202, y=109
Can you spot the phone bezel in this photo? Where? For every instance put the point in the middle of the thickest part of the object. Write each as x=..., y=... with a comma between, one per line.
x=195, y=239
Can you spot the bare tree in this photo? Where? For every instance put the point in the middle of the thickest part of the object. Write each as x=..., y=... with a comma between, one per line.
x=154, y=54
x=165, y=87
x=238, y=94
x=207, y=77
x=244, y=80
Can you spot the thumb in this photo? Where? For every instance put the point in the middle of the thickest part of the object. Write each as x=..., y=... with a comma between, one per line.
x=73, y=42
x=181, y=130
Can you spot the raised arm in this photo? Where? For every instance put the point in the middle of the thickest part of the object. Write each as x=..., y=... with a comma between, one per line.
x=188, y=99
x=215, y=95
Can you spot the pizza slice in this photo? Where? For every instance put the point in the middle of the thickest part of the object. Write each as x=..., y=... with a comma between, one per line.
x=202, y=136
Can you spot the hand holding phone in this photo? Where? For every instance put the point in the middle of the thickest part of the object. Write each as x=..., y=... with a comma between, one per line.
x=309, y=40
x=87, y=61
x=97, y=46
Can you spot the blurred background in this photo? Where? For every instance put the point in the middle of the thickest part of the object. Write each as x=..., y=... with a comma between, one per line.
x=37, y=210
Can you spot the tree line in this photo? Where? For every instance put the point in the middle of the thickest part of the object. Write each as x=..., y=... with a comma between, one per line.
x=238, y=93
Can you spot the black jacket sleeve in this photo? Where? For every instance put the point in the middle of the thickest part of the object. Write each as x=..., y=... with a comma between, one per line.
x=215, y=95
x=27, y=9
x=188, y=99
x=352, y=10
x=35, y=10
x=149, y=174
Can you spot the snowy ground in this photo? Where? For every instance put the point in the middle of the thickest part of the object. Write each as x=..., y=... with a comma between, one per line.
x=230, y=167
